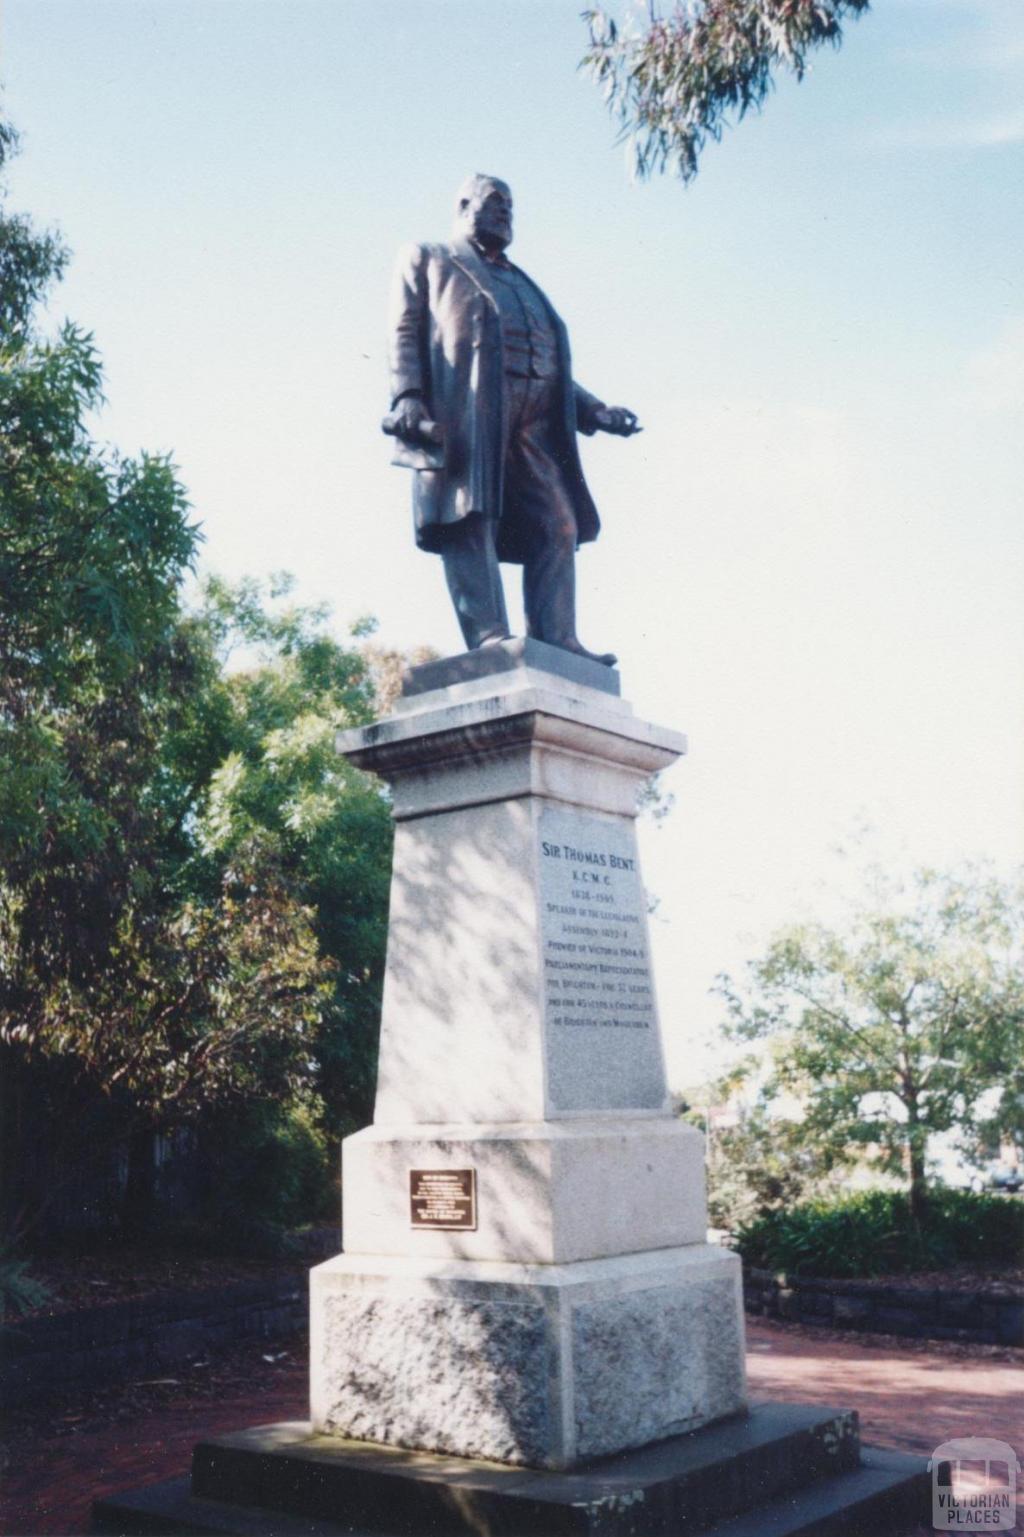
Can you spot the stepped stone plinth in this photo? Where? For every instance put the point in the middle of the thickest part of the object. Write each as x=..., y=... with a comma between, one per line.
x=556, y=1299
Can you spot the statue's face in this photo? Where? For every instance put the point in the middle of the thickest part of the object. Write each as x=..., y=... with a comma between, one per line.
x=487, y=215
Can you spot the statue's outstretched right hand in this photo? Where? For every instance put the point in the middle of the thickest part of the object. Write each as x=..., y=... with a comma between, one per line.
x=410, y=421
x=618, y=420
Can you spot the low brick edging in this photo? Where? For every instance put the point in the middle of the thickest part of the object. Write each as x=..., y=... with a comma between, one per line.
x=125, y=1341
x=982, y=1318
x=121, y=1341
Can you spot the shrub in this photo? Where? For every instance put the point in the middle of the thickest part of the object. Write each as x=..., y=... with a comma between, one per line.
x=269, y=1165
x=19, y=1291
x=761, y=1166
x=873, y=1233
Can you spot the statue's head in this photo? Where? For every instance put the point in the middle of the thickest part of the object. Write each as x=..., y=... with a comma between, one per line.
x=483, y=212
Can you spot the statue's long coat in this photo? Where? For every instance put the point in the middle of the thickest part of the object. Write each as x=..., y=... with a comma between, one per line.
x=446, y=342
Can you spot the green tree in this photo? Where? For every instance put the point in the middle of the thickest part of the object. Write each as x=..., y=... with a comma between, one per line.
x=92, y=552
x=908, y=1023
x=672, y=81
x=757, y=1166
x=162, y=942
x=280, y=781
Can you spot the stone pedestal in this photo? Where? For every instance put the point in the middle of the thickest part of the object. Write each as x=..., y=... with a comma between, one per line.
x=526, y=1326
x=525, y=1276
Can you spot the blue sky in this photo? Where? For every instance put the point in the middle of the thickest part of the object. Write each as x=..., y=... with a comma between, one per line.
x=812, y=559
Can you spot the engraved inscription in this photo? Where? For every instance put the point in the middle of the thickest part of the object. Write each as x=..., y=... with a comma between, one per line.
x=442, y=1198
x=602, y=1042
x=596, y=967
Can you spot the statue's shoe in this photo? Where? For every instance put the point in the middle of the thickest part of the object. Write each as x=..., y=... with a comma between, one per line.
x=606, y=658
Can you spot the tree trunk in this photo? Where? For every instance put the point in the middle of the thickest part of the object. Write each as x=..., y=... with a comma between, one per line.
x=26, y=1126
x=916, y=1143
x=140, y=1183
x=15, y=1191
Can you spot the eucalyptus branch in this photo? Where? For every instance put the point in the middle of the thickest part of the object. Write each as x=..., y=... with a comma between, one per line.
x=672, y=87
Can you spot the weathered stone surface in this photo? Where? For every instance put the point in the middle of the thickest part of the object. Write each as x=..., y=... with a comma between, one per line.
x=542, y=1365
x=638, y=1373
x=465, y=1376
x=656, y=1363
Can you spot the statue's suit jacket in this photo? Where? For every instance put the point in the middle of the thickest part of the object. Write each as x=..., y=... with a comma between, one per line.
x=446, y=342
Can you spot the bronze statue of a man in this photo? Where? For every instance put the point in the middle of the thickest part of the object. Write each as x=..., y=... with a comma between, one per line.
x=486, y=412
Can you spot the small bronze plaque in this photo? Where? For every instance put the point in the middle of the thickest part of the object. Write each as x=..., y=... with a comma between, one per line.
x=443, y=1198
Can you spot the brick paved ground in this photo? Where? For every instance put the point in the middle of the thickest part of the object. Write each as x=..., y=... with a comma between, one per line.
x=910, y=1396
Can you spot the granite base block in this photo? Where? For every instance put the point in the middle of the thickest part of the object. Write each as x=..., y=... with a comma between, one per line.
x=537, y=1365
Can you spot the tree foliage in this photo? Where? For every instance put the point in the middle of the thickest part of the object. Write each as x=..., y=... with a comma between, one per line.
x=193, y=885
x=29, y=259
x=93, y=550
x=280, y=782
x=908, y=1023
x=759, y=1166
x=672, y=82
